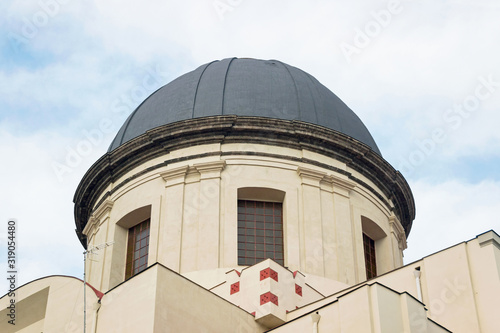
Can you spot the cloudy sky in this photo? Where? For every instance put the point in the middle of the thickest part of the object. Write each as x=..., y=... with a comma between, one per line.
x=423, y=75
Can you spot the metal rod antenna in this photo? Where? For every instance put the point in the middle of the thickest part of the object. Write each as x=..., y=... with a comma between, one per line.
x=91, y=250
x=84, y=292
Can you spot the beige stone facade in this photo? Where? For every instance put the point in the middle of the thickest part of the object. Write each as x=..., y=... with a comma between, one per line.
x=458, y=291
x=332, y=193
x=192, y=207
x=175, y=212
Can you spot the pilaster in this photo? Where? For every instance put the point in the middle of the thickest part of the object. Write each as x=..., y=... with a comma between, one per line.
x=329, y=228
x=345, y=230
x=312, y=247
x=169, y=245
x=209, y=223
x=398, y=240
x=97, y=219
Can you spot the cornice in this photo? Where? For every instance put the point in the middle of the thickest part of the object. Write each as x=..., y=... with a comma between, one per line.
x=341, y=186
x=235, y=129
x=399, y=232
x=175, y=176
x=210, y=170
x=98, y=216
x=311, y=177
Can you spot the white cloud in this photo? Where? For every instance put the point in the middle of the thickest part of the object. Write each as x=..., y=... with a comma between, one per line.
x=30, y=192
x=93, y=55
x=450, y=213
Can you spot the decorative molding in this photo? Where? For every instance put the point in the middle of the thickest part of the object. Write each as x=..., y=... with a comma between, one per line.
x=311, y=177
x=398, y=231
x=90, y=228
x=175, y=176
x=103, y=209
x=341, y=182
x=210, y=170
x=229, y=129
x=340, y=185
x=98, y=217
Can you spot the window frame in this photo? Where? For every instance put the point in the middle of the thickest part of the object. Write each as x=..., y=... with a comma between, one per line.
x=260, y=232
x=370, y=256
x=136, y=259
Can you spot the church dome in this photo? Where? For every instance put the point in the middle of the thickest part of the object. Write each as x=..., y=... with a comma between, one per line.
x=244, y=87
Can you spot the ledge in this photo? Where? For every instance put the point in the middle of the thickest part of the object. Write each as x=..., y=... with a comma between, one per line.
x=235, y=129
x=489, y=238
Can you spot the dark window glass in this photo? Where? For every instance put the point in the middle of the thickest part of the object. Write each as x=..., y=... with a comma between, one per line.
x=259, y=232
x=370, y=259
x=137, y=249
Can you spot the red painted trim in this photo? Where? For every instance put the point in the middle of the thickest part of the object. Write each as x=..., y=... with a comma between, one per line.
x=235, y=287
x=268, y=297
x=97, y=292
x=268, y=272
x=298, y=290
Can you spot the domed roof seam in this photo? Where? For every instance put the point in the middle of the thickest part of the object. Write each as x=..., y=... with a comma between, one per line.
x=198, y=85
x=294, y=86
x=129, y=119
x=224, y=87
x=313, y=79
x=233, y=84
x=312, y=97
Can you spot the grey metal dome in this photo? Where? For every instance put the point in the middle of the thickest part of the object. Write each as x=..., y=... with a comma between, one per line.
x=244, y=87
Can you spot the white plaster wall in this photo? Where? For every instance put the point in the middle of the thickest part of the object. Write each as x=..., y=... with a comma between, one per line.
x=194, y=214
x=62, y=297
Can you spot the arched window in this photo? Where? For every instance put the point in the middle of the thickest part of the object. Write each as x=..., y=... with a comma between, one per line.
x=370, y=258
x=134, y=234
x=260, y=225
x=371, y=234
x=137, y=249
